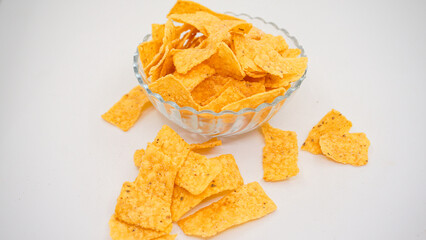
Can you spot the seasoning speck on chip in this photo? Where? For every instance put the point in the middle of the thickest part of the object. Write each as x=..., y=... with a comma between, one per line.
x=279, y=154
x=247, y=203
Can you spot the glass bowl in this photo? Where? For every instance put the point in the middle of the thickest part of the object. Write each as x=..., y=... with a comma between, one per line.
x=225, y=123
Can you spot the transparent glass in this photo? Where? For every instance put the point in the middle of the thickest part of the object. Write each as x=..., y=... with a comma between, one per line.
x=225, y=123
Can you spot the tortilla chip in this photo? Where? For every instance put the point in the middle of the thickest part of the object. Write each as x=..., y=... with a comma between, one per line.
x=172, y=89
x=127, y=111
x=197, y=172
x=166, y=237
x=196, y=75
x=278, y=43
x=245, y=50
x=146, y=202
x=242, y=205
x=279, y=154
x=155, y=70
x=347, y=148
x=157, y=32
x=333, y=122
x=295, y=65
x=255, y=100
x=250, y=88
x=170, y=33
x=168, y=66
x=230, y=95
x=182, y=6
x=271, y=62
x=228, y=179
x=209, y=89
x=147, y=51
x=185, y=59
x=291, y=53
x=155, y=60
x=172, y=145
x=137, y=157
x=226, y=63
x=208, y=144
x=123, y=231
x=277, y=82
x=203, y=21
x=255, y=33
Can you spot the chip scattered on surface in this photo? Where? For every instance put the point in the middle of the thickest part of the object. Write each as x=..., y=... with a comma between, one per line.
x=172, y=145
x=347, y=148
x=197, y=172
x=228, y=179
x=214, y=142
x=127, y=111
x=123, y=231
x=279, y=154
x=332, y=122
x=247, y=203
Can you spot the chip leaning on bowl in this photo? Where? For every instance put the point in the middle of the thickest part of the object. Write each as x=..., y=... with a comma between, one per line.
x=210, y=61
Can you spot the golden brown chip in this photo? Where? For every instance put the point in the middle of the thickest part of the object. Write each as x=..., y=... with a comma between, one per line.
x=249, y=88
x=172, y=89
x=208, y=144
x=197, y=172
x=230, y=95
x=246, y=50
x=167, y=237
x=255, y=33
x=279, y=154
x=203, y=21
x=209, y=89
x=278, y=43
x=228, y=179
x=170, y=33
x=333, y=122
x=157, y=32
x=127, y=111
x=146, y=202
x=123, y=231
x=255, y=100
x=226, y=63
x=147, y=51
x=196, y=75
x=271, y=62
x=185, y=59
x=172, y=145
x=183, y=6
x=291, y=53
x=277, y=82
x=347, y=148
x=155, y=70
x=168, y=66
x=242, y=205
x=137, y=157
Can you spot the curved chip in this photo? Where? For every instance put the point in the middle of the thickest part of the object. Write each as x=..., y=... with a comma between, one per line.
x=347, y=148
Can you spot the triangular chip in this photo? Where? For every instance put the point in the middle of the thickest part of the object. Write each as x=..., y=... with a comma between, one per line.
x=203, y=21
x=347, y=148
x=250, y=88
x=157, y=32
x=291, y=53
x=127, y=111
x=185, y=59
x=147, y=51
x=230, y=95
x=209, y=89
x=123, y=231
x=172, y=89
x=183, y=6
x=197, y=172
x=226, y=63
x=333, y=122
x=196, y=75
x=247, y=203
x=279, y=154
x=278, y=43
x=228, y=179
x=255, y=100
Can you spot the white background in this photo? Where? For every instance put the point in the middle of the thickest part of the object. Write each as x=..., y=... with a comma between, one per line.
x=64, y=63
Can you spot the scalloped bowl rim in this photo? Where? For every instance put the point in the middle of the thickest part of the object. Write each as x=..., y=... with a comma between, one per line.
x=278, y=99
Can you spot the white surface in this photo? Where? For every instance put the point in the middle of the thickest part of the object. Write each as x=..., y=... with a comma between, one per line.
x=64, y=63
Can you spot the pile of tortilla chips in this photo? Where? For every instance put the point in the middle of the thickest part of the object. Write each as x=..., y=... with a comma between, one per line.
x=172, y=180
x=331, y=138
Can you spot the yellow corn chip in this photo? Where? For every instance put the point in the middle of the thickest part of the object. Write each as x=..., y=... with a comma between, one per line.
x=157, y=32
x=168, y=66
x=137, y=157
x=185, y=59
x=197, y=172
x=255, y=33
x=167, y=237
x=182, y=6
x=172, y=145
x=155, y=70
x=147, y=51
x=246, y=50
x=226, y=63
x=123, y=231
x=172, y=89
x=127, y=111
x=196, y=75
x=230, y=95
x=209, y=89
x=271, y=62
x=203, y=21
x=242, y=205
x=155, y=60
x=236, y=26
x=291, y=53
x=347, y=148
x=146, y=202
x=255, y=100
x=279, y=154
x=333, y=122
x=228, y=179
x=208, y=144
x=276, y=42
x=295, y=65
x=170, y=33
x=249, y=88
x=277, y=82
